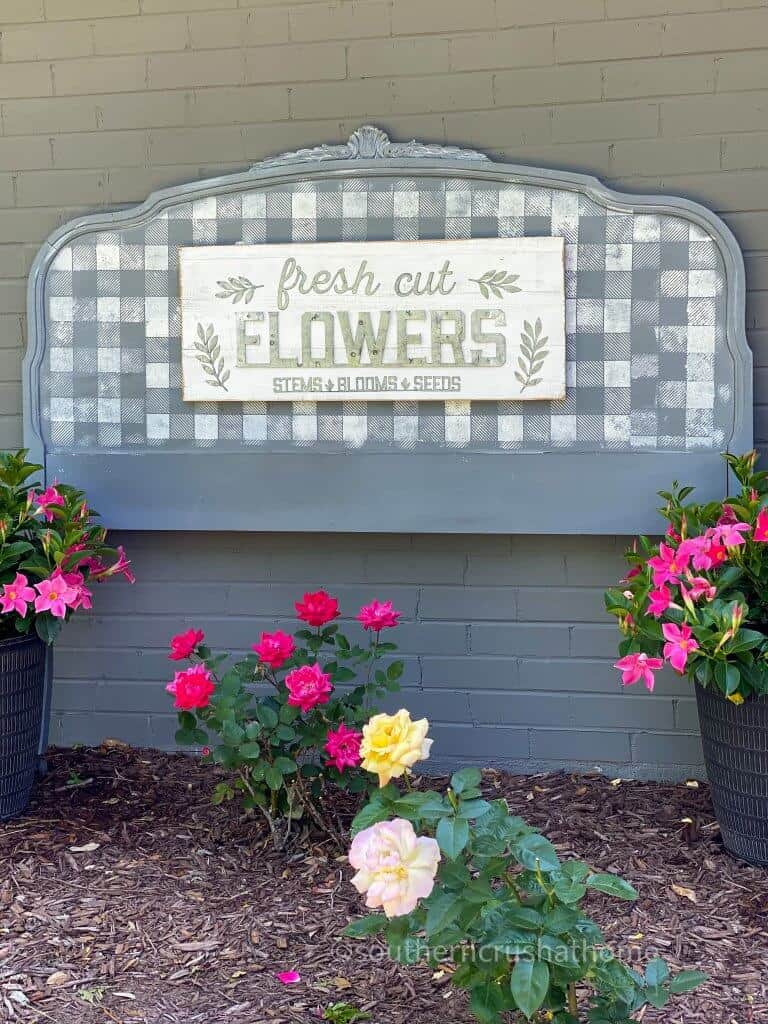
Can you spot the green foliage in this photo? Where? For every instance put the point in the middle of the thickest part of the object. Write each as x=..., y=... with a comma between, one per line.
x=344, y=1013
x=37, y=542
x=506, y=914
x=730, y=625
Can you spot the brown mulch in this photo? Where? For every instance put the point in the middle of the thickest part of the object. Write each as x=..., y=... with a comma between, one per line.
x=126, y=898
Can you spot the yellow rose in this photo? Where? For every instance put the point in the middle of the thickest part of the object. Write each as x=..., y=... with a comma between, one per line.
x=735, y=698
x=393, y=743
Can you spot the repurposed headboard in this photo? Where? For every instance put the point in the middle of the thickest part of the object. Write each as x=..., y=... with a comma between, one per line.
x=658, y=371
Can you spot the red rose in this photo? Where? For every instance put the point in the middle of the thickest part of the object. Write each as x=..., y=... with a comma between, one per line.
x=192, y=688
x=274, y=649
x=308, y=686
x=183, y=645
x=318, y=608
x=378, y=615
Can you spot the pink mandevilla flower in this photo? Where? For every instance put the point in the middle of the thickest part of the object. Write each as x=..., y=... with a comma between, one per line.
x=635, y=667
x=730, y=534
x=317, y=608
x=699, y=587
x=183, y=644
x=308, y=686
x=378, y=615
x=48, y=499
x=668, y=564
x=680, y=643
x=343, y=747
x=274, y=649
x=76, y=581
x=17, y=595
x=705, y=552
x=55, y=595
x=761, y=527
x=659, y=600
x=192, y=688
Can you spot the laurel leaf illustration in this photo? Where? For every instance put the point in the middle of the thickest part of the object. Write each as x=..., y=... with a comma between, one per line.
x=496, y=282
x=534, y=352
x=210, y=358
x=239, y=289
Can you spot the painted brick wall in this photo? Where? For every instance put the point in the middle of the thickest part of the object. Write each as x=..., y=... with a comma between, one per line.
x=103, y=100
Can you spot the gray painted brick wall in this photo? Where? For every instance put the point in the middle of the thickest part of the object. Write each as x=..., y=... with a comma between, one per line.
x=103, y=100
x=514, y=671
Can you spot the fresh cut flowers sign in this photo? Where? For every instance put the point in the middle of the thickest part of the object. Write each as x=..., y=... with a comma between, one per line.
x=388, y=321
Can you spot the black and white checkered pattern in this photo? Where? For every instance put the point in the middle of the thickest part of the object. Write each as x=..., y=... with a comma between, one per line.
x=647, y=364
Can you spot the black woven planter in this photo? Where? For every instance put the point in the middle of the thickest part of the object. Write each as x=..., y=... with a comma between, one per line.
x=735, y=742
x=22, y=689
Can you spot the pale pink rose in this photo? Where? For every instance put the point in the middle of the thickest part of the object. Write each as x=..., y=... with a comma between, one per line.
x=395, y=867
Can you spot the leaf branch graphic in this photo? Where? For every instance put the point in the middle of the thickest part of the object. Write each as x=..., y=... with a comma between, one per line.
x=534, y=351
x=210, y=358
x=495, y=282
x=239, y=289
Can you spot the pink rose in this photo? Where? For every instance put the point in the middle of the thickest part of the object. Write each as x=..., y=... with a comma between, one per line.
x=274, y=649
x=378, y=615
x=318, y=608
x=308, y=686
x=343, y=747
x=192, y=688
x=183, y=644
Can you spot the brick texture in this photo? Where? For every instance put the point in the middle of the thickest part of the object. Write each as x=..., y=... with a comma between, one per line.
x=507, y=646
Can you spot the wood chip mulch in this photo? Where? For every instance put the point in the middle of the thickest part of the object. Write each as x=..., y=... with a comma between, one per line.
x=126, y=898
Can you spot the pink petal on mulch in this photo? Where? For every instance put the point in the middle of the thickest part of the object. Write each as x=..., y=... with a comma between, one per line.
x=289, y=977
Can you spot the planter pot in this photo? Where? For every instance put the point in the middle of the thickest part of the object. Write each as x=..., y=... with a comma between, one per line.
x=22, y=700
x=735, y=740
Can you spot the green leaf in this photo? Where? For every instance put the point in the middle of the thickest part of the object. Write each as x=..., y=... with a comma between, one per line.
x=442, y=909
x=472, y=808
x=373, y=924
x=569, y=891
x=285, y=765
x=452, y=836
x=467, y=778
x=686, y=981
x=250, y=751
x=612, y=885
x=267, y=716
x=529, y=983
x=534, y=851
x=273, y=777
x=369, y=815
x=656, y=972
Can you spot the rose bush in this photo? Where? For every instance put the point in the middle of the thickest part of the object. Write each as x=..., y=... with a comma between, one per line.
x=287, y=741
x=51, y=550
x=698, y=600
x=459, y=880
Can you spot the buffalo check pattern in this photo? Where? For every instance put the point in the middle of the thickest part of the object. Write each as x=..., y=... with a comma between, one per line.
x=647, y=363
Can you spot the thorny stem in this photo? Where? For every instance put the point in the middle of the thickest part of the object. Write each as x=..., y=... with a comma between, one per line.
x=315, y=814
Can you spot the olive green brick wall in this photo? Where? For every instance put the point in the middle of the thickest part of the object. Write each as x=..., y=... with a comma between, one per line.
x=102, y=101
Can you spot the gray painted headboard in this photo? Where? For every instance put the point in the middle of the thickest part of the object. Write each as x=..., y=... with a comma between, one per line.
x=658, y=368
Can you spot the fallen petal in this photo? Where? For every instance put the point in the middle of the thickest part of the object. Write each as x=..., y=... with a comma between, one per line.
x=289, y=977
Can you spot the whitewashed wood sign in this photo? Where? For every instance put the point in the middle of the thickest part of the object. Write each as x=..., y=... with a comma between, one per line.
x=440, y=320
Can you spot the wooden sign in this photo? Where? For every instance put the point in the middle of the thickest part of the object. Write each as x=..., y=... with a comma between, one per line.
x=387, y=321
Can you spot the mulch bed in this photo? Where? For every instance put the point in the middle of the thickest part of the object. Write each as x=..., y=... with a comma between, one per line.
x=126, y=898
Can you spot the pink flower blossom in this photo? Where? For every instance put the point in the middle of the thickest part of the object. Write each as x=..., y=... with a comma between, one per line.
x=730, y=534
x=289, y=977
x=634, y=571
x=672, y=534
x=395, y=867
x=680, y=643
x=635, y=667
x=761, y=527
x=668, y=564
x=308, y=686
x=183, y=644
x=17, y=595
x=705, y=552
x=378, y=615
x=121, y=566
x=76, y=581
x=698, y=587
x=317, y=608
x=343, y=747
x=48, y=499
x=55, y=595
x=274, y=649
x=192, y=688
x=659, y=601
